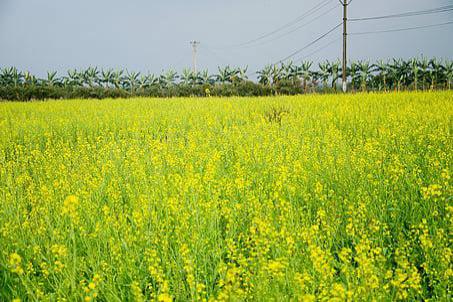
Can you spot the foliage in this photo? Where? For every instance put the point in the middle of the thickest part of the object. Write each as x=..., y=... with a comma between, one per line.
x=287, y=78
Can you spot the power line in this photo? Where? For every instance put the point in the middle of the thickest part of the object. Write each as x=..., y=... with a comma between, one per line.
x=318, y=49
x=309, y=44
x=295, y=21
x=400, y=29
x=407, y=14
x=296, y=28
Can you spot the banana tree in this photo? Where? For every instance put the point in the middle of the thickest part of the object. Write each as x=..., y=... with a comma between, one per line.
x=74, y=79
x=435, y=72
x=144, y=81
x=168, y=78
x=225, y=75
x=286, y=71
x=11, y=76
x=205, y=78
x=276, y=74
x=415, y=71
x=423, y=65
x=306, y=73
x=324, y=73
x=106, y=77
x=353, y=72
x=131, y=80
x=365, y=72
x=117, y=78
x=296, y=73
x=334, y=69
x=52, y=79
x=449, y=73
x=91, y=76
x=264, y=75
x=30, y=80
x=242, y=73
x=187, y=76
x=382, y=68
x=399, y=73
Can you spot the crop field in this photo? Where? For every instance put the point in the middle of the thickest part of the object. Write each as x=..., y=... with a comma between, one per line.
x=310, y=198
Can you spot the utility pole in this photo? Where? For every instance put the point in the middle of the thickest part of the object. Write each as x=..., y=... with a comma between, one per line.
x=194, y=55
x=345, y=4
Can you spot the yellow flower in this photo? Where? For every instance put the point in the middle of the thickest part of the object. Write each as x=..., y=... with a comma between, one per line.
x=15, y=261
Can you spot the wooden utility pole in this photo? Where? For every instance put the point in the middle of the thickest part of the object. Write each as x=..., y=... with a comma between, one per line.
x=345, y=4
x=194, y=55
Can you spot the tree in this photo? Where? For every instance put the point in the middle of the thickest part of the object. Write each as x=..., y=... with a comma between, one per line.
x=334, y=69
x=52, y=79
x=306, y=73
x=414, y=65
x=107, y=77
x=168, y=78
x=449, y=73
x=382, y=68
x=324, y=73
x=131, y=80
x=352, y=71
x=365, y=69
x=264, y=75
x=424, y=70
x=117, y=78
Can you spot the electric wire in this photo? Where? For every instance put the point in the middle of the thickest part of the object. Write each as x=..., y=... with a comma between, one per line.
x=294, y=29
x=289, y=24
x=443, y=9
x=400, y=29
x=309, y=44
x=319, y=49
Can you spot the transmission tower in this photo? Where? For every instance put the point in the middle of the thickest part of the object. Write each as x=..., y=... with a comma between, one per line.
x=194, y=55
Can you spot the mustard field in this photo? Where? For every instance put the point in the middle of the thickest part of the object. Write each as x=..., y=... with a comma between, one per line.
x=304, y=198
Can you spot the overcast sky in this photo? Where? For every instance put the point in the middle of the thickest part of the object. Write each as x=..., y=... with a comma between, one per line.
x=152, y=35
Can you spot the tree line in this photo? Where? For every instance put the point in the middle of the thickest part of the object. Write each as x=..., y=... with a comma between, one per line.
x=283, y=78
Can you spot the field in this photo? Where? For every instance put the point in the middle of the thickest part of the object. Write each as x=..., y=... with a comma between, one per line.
x=321, y=197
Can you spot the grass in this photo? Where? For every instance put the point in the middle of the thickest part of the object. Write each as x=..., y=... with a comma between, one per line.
x=341, y=197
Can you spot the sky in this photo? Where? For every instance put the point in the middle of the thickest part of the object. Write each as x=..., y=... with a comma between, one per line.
x=152, y=36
